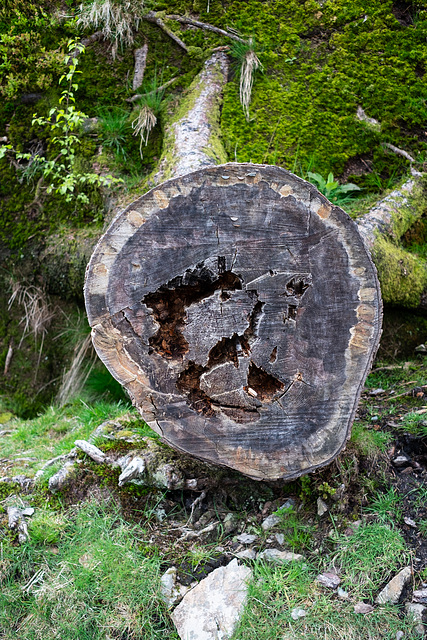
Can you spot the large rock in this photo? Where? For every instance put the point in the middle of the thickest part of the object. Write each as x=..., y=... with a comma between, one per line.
x=212, y=609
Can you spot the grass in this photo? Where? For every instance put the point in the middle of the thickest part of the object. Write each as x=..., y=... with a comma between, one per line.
x=32, y=442
x=149, y=108
x=94, y=583
x=114, y=126
x=369, y=557
x=245, y=55
x=297, y=533
x=276, y=591
x=386, y=506
x=368, y=442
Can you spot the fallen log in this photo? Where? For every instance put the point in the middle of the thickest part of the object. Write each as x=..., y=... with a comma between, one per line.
x=403, y=275
x=241, y=311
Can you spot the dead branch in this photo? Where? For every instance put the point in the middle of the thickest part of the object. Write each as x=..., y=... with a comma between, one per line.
x=204, y=26
x=397, y=151
x=151, y=16
x=140, y=64
x=8, y=358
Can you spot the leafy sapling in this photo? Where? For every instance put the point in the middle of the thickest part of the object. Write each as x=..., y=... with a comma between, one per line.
x=64, y=122
x=335, y=192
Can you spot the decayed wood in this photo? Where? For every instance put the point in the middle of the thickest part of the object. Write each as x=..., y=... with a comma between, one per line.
x=241, y=311
x=140, y=64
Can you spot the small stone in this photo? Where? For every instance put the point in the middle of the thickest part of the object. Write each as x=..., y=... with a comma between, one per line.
x=213, y=607
x=342, y=594
x=246, y=538
x=399, y=635
x=172, y=591
x=393, y=590
x=246, y=554
x=271, y=521
x=230, y=523
x=289, y=504
x=322, y=507
x=410, y=522
x=133, y=471
x=416, y=612
x=297, y=613
x=280, y=538
x=420, y=596
x=60, y=479
x=376, y=392
x=279, y=557
x=362, y=607
x=329, y=579
x=29, y=511
x=400, y=461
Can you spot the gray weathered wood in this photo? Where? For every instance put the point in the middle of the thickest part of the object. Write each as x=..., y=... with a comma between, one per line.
x=241, y=311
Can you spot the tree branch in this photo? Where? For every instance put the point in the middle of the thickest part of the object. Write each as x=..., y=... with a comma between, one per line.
x=151, y=16
x=205, y=26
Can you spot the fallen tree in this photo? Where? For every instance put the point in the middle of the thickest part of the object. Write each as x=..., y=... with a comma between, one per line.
x=238, y=307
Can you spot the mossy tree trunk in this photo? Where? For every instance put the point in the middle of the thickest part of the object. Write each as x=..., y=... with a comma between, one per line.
x=402, y=274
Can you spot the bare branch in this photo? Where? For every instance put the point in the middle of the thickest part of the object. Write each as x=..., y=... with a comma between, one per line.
x=151, y=16
x=205, y=26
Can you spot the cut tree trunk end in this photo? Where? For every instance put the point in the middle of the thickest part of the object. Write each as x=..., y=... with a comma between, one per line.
x=241, y=311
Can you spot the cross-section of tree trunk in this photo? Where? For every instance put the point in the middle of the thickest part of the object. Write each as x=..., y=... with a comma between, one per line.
x=241, y=311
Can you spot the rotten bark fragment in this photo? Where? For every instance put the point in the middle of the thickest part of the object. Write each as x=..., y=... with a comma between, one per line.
x=241, y=311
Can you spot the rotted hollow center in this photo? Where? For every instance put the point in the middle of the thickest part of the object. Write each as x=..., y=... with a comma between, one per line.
x=228, y=380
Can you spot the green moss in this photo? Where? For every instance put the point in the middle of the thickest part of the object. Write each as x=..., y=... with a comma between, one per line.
x=403, y=276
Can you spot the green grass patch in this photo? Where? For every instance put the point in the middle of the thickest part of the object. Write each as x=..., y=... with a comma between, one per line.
x=95, y=583
x=369, y=442
x=368, y=557
x=275, y=591
x=31, y=442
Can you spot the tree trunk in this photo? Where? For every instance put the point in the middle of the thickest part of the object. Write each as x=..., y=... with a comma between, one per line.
x=403, y=275
x=241, y=311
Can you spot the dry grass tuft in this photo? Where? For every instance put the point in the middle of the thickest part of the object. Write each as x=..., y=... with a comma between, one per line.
x=75, y=377
x=250, y=64
x=37, y=311
x=143, y=124
x=115, y=18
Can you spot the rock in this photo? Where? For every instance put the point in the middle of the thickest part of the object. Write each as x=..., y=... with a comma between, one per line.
x=342, y=594
x=329, y=579
x=416, y=611
x=133, y=471
x=212, y=609
x=59, y=480
x=150, y=469
x=401, y=461
x=230, y=523
x=172, y=591
x=420, y=596
x=279, y=557
x=271, y=521
x=400, y=635
x=410, y=522
x=246, y=538
x=322, y=507
x=289, y=504
x=393, y=590
x=28, y=511
x=362, y=607
x=297, y=613
x=246, y=554
x=280, y=538
x=376, y=392
x=370, y=123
